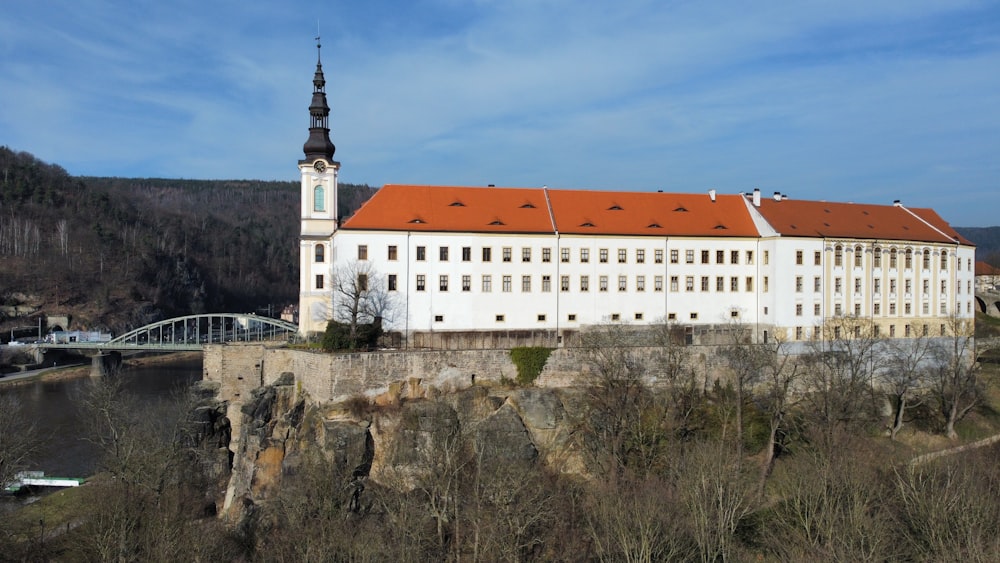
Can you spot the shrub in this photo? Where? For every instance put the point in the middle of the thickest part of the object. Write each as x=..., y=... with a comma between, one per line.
x=529, y=361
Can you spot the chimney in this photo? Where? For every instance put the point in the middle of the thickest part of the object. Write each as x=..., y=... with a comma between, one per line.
x=711, y=195
x=897, y=203
x=756, y=197
x=491, y=186
x=784, y=197
x=777, y=196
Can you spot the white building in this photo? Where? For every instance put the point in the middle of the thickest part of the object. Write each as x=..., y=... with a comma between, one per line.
x=474, y=259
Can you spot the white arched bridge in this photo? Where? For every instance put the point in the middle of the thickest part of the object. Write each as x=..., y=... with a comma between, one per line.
x=191, y=332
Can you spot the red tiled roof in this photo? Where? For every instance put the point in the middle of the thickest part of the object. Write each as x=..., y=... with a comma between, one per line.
x=526, y=210
x=792, y=217
x=984, y=269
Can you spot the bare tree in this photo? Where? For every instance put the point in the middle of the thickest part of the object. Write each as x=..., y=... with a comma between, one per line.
x=905, y=374
x=18, y=439
x=746, y=361
x=957, y=385
x=780, y=372
x=361, y=297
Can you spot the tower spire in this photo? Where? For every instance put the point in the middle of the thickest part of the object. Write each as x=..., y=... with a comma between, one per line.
x=318, y=145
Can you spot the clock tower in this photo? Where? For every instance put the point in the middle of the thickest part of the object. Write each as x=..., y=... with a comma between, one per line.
x=318, y=171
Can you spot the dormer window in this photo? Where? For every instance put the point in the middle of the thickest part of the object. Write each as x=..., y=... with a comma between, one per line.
x=681, y=209
x=528, y=205
x=615, y=207
x=416, y=220
x=587, y=224
x=654, y=226
x=496, y=222
x=456, y=204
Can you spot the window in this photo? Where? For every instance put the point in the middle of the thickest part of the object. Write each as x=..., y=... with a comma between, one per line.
x=734, y=313
x=892, y=308
x=657, y=283
x=616, y=316
x=362, y=252
x=584, y=283
x=320, y=253
x=525, y=255
x=817, y=258
x=924, y=330
x=546, y=284
x=640, y=283
x=603, y=255
x=767, y=257
x=749, y=256
x=602, y=283
x=673, y=283
x=766, y=280
x=720, y=257
x=859, y=254
x=571, y=317
x=541, y=317
x=694, y=316
x=908, y=259
x=505, y=284
x=671, y=316
x=798, y=309
x=798, y=333
x=487, y=283
x=944, y=260
x=466, y=254
x=443, y=282
x=392, y=254
x=838, y=256
x=942, y=326
x=734, y=283
x=421, y=253
x=564, y=255
x=944, y=286
x=319, y=199
x=658, y=256
x=564, y=283
x=837, y=310
x=857, y=309
x=392, y=282
x=926, y=308
x=689, y=257
x=546, y=255
x=857, y=285
x=892, y=287
x=908, y=286
x=499, y=318
x=466, y=283
x=363, y=282
x=421, y=282
x=622, y=256
x=584, y=255
x=622, y=283
x=907, y=309
x=892, y=331
x=816, y=309
x=439, y=318
x=798, y=257
x=674, y=256
x=798, y=284
x=525, y=284
x=689, y=283
x=704, y=283
x=877, y=309
x=892, y=258
x=319, y=281
x=749, y=283
x=817, y=284
x=704, y=257
x=443, y=253
x=638, y=316
x=640, y=256
x=734, y=257
x=487, y=254
x=877, y=258
x=505, y=256
x=720, y=283
x=877, y=285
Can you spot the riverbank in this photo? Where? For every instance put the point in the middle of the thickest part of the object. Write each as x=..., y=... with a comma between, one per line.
x=65, y=373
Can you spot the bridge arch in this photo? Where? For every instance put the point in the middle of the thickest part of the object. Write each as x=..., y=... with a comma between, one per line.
x=192, y=332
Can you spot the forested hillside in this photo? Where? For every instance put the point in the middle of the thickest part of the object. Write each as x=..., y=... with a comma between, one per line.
x=987, y=241
x=117, y=253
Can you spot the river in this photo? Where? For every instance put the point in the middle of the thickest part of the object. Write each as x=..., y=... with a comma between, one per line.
x=54, y=405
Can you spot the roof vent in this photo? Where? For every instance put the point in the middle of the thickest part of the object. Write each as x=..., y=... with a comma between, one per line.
x=659, y=191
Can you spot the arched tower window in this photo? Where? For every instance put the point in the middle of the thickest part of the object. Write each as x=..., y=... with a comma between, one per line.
x=944, y=260
x=319, y=199
x=908, y=259
x=838, y=255
x=320, y=253
x=859, y=254
x=877, y=258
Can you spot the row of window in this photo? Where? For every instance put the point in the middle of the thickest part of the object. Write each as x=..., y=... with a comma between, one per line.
x=603, y=255
x=571, y=317
x=838, y=258
x=603, y=283
x=908, y=331
x=877, y=309
x=838, y=285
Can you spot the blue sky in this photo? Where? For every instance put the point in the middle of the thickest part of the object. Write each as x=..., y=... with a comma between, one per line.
x=840, y=100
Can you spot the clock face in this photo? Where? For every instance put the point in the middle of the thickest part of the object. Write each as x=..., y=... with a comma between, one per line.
x=319, y=166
